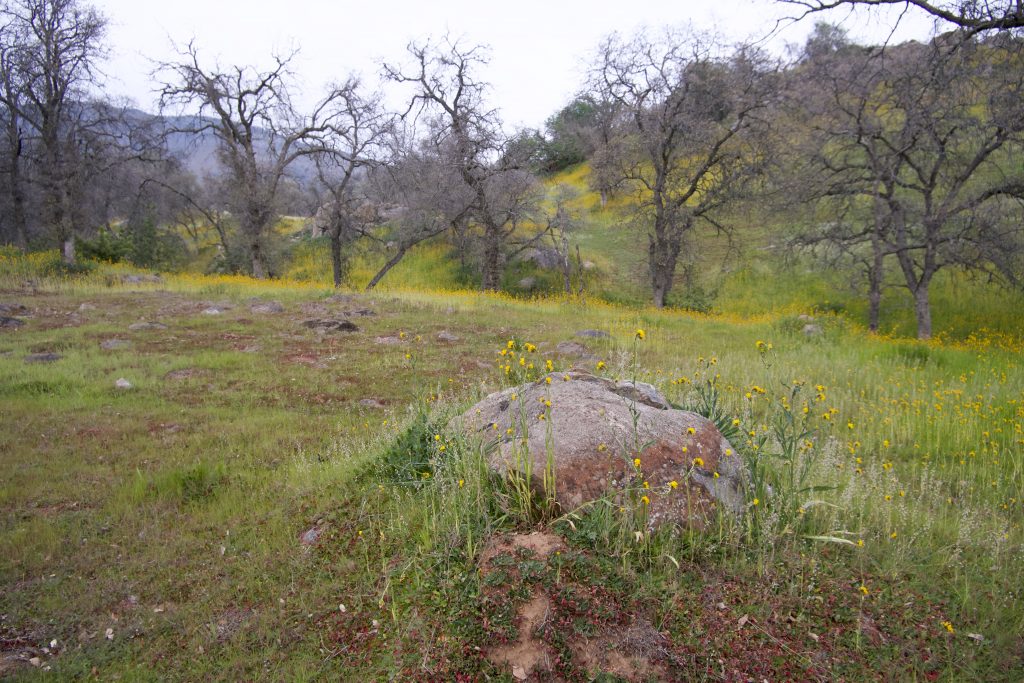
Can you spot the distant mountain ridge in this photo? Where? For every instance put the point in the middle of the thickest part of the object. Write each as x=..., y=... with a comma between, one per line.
x=198, y=151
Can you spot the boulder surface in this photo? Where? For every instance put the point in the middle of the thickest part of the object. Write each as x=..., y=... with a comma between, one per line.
x=589, y=432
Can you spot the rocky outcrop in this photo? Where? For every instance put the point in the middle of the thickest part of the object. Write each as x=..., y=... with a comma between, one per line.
x=595, y=428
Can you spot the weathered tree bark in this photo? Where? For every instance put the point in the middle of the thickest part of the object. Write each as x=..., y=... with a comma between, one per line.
x=923, y=312
x=336, y=259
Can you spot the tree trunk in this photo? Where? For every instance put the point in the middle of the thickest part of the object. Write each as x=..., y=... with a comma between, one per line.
x=662, y=254
x=68, y=249
x=258, y=267
x=566, y=266
x=491, y=270
x=336, y=259
x=387, y=266
x=923, y=311
x=874, y=305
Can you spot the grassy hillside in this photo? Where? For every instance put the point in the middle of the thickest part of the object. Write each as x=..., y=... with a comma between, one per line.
x=746, y=274
x=265, y=502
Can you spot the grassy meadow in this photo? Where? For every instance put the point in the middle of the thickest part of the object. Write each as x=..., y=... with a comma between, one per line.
x=266, y=502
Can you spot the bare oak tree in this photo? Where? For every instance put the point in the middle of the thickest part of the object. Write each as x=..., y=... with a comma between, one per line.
x=971, y=16
x=259, y=131
x=931, y=137
x=50, y=50
x=691, y=141
x=350, y=147
x=466, y=136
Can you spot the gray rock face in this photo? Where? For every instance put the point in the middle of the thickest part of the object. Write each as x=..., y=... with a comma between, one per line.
x=593, y=445
x=328, y=325
x=13, y=309
x=543, y=257
x=573, y=349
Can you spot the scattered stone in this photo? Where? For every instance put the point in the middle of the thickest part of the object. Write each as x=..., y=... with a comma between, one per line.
x=330, y=325
x=267, y=307
x=387, y=341
x=527, y=283
x=42, y=357
x=13, y=309
x=122, y=383
x=10, y=323
x=375, y=403
x=591, y=426
x=446, y=336
x=593, y=334
x=311, y=536
x=574, y=350
x=183, y=373
x=140, y=279
x=114, y=344
x=543, y=257
x=812, y=330
x=141, y=326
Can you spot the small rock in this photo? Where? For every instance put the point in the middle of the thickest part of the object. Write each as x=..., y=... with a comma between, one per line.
x=329, y=325
x=35, y=661
x=447, y=336
x=114, y=344
x=593, y=334
x=361, y=313
x=311, y=536
x=86, y=307
x=109, y=634
x=589, y=265
x=372, y=403
x=573, y=349
x=213, y=310
x=387, y=341
x=42, y=357
x=8, y=322
x=13, y=309
x=122, y=383
x=267, y=307
x=139, y=326
x=812, y=330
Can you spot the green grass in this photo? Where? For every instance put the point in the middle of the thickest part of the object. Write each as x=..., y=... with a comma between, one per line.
x=172, y=512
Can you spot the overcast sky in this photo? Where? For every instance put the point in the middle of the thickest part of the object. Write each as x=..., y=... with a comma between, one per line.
x=538, y=47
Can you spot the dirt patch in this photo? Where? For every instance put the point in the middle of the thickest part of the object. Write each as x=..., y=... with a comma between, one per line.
x=529, y=654
x=540, y=544
x=634, y=655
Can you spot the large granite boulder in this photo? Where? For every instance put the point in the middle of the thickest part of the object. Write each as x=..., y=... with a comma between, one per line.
x=589, y=428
